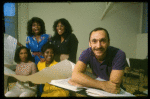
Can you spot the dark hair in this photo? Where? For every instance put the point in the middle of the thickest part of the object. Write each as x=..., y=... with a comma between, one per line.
x=100, y=28
x=31, y=21
x=68, y=28
x=46, y=46
x=17, y=58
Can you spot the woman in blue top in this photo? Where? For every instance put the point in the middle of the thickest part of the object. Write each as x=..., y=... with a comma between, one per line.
x=36, y=37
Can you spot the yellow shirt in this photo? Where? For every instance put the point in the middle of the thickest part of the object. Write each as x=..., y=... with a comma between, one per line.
x=42, y=65
x=50, y=90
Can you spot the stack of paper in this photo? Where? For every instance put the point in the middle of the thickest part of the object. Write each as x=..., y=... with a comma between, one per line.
x=99, y=93
x=63, y=83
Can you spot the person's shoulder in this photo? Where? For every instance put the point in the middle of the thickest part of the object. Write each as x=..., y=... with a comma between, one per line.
x=73, y=37
x=30, y=62
x=46, y=35
x=87, y=51
x=30, y=36
x=55, y=62
x=115, y=50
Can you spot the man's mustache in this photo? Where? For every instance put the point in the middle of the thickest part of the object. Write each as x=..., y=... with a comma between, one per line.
x=101, y=48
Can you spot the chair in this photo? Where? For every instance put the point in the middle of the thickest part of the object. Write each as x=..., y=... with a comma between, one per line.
x=135, y=71
x=132, y=69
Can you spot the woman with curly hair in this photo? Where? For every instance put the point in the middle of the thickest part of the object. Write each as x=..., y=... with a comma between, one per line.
x=64, y=40
x=25, y=66
x=36, y=37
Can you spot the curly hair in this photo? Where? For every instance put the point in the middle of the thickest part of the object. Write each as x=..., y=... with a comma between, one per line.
x=46, y=46
x=68, y=28
x=31, y=21
x=17, y=58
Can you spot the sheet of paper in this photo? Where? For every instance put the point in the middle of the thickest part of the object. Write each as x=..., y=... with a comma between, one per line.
x=99, y=93
x=61, y=70
x=93, y=92
x=8, y=71
x=63, y=83
x=9, y=48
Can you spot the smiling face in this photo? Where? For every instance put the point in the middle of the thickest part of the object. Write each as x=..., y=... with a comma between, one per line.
x=36, y=28
x=99, y=43
x=49, y=56
x=60, y=28
x=23, y=55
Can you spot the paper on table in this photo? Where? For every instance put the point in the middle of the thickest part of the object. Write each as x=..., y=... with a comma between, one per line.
x=63, y=83
x=98, y=92
x=61, y=70
x=93, y=92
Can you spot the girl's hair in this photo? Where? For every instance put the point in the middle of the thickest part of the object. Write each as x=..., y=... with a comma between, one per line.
x=17, y=58
x=68, y=28
x=46, y=46
x=31, y=21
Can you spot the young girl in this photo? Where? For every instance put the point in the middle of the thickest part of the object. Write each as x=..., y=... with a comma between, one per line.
x=50, y=90
x=26, y=67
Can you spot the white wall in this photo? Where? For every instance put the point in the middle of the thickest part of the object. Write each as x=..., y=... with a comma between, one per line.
x=142, y=46
x=122, y=21
x=22, y=22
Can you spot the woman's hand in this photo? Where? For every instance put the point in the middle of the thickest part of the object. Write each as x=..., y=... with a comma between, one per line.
x=42, y=59
x=64, y=56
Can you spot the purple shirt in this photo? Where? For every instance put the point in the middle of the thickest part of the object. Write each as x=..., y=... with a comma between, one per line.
x=114, y=60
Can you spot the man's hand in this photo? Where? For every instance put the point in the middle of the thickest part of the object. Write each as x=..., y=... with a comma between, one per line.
x=111, y=87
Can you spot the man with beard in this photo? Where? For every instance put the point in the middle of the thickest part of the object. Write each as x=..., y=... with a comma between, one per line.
x=106, y=62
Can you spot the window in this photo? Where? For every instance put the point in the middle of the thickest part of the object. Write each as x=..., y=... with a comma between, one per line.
x=9, y=9
x=11, y=19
